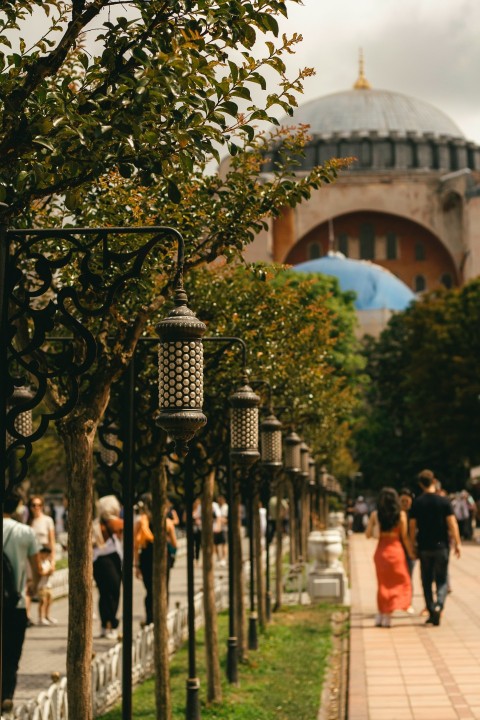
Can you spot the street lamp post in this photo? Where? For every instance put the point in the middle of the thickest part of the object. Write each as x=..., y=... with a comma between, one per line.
x=180, y=364
x=244, y=452
x=312, y=486
x=34, y=304
x=292, y=468
x=271, y=460
x=302, y=480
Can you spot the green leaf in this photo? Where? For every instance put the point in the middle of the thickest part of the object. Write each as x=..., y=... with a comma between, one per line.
x=174, y=193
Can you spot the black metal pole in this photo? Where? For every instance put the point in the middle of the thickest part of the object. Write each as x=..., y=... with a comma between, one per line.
x=266, y=502
x=4, y=255
x=128, y=544
x=232, y=645
x=252, y=622
x=193, y=683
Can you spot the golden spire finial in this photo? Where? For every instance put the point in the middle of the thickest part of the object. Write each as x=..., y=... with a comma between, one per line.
x=362, y=82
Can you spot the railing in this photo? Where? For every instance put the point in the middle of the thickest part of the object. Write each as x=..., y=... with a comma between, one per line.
x=107, y=667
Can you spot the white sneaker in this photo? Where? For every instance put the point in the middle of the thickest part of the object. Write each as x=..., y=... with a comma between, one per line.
x=111, y=635
x=52, y=621
x=43, y=621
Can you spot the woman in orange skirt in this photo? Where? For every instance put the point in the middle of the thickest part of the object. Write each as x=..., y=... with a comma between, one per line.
x=389, y=524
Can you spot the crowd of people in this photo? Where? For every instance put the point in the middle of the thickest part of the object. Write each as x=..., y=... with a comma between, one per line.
x=426, y=528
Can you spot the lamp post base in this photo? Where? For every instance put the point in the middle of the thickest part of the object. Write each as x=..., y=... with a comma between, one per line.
x=193, y=703
x=252, y=631
x=268, y=605
x=232, y=661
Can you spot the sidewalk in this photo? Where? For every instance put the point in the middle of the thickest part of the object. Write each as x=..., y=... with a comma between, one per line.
x=413, y=671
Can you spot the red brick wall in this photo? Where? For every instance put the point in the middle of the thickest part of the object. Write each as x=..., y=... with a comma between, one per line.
x=437, y=259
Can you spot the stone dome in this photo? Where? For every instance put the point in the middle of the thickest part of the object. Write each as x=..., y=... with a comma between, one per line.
x=363, y=110
x=375, y=287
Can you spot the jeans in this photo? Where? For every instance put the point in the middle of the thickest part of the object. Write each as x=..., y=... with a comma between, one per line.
x=14, y=626
x=434, y=569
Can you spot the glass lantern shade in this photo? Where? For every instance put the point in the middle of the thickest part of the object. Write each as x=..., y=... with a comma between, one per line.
x=292, y=453
x=304, y=460
x=244, y=426
x=180, y=370
x=108, y=453
x=312, y=475
x=23, y=421
x=271, y=442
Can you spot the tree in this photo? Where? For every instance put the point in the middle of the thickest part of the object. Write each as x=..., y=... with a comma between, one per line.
x=291, y=329
x=161, y=90
x=425, y=385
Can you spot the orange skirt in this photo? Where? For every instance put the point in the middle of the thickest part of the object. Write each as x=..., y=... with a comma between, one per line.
x=394, y=584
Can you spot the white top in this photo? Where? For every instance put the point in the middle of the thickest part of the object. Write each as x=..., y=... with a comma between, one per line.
x=19, y=543
x=42, y=526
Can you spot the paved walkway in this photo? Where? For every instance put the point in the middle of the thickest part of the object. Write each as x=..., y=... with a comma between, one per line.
x=413, y=671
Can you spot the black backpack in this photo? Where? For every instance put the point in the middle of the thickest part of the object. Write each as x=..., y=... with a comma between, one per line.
x=11, y=596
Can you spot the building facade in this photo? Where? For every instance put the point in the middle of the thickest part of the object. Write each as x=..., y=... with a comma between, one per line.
x=410, y=201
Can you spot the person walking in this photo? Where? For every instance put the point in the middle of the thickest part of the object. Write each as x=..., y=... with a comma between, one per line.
x=143, y=551
x=19, y=545
x=107, y=562
x=44, y=529
x=432, y=528
x=220, y=527
x=394, y=587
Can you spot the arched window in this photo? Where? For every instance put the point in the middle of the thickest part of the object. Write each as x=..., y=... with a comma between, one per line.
x=314, y=251
x=420, y=251
x=420, y=284
x=343, y=244
x=447, y=280
x=367, y=242
x=392, y=252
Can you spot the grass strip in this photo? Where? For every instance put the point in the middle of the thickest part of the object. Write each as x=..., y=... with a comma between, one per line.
x=282, y=680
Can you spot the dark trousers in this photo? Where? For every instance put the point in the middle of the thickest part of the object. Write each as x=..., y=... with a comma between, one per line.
x=146, y=566
x=107, y=571
x=197, y=542
x=14, y=626
x=434, y=569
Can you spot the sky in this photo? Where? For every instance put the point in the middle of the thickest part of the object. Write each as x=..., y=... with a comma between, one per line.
x=428, y=49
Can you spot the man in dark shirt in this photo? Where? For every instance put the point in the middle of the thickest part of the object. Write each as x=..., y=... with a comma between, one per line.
x=432, y=526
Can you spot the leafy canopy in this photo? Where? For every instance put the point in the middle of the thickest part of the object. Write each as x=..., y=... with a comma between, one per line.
x=423, y=406
x=143, y=88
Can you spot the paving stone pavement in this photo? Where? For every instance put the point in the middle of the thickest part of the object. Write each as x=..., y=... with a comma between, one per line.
x=44, y=651
x=413, y=671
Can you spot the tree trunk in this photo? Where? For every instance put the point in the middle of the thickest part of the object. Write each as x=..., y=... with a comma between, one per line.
x=279, y=549
x=214, y=683
x=238, y=579
x=160, y=598
x=77, y=436
x=260, y=585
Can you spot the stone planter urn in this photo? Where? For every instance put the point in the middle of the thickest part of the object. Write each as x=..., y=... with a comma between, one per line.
x=325, y=548
x=336, y=521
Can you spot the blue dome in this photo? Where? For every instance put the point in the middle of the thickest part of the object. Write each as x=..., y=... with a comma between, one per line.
x=376, y=288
